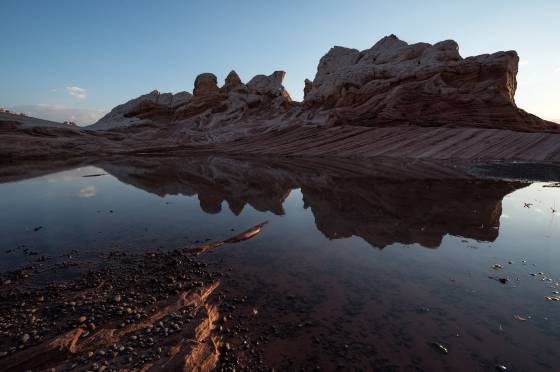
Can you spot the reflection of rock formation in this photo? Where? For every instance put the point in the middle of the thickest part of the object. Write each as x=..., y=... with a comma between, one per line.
x=388, y=203
x=408, y=211
x=214, y=180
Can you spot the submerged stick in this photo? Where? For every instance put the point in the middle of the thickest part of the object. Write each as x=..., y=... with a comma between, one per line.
x=245, y=235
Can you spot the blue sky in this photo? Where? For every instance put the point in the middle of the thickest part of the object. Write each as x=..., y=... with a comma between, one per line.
x=78, y=59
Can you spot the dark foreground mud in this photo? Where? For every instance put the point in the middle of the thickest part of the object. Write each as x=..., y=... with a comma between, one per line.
x=154, y=311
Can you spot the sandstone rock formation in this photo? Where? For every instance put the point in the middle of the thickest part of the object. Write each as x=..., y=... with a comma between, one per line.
x=272, y=84
x=394, y=99
x=208, y=108
x=232, y=81
x=205, y=85
x=394, y=83
x=141, y=110
x=391, y=84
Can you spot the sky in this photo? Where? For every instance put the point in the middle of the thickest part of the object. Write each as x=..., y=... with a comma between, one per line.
x=75, y=60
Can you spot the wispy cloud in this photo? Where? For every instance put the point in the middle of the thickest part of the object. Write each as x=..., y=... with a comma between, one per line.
x=61, y=113
x=77, y=92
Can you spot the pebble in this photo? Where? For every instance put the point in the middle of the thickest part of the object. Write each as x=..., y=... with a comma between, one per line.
x=439, y=347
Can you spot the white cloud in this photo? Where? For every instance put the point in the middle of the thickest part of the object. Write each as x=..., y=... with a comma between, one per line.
x=60, y=113
x=87, y=192
x=77, y=92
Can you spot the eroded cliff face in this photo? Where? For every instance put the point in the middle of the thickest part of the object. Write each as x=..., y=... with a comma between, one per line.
x=391, y=84
x=142, y=110
x=394, y=83
x=209, y=109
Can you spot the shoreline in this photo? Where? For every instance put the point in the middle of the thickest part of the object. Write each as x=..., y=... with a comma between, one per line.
x=357, y=143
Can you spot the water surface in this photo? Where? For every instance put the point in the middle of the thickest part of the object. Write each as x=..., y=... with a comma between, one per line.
x=352, y=271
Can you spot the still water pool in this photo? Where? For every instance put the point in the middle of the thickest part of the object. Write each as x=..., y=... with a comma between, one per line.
x=353, y=271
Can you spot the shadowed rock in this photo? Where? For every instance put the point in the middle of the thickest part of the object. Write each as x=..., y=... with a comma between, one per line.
x=232, y=81
x=205, y=85
x=307, y=88
x=142, y=110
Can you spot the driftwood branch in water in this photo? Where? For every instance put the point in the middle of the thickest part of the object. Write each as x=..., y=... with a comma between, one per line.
x=245, y=235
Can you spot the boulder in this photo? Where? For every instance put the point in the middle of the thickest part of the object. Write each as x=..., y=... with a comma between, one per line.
x=205, y=85
x=232, y=81
x=269, y=85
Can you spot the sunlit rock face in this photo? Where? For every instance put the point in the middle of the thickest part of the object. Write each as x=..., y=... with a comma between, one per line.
x=395, y=83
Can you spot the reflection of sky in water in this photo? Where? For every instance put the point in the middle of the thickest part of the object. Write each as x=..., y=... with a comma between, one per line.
x=533, y=230
x=87, y=192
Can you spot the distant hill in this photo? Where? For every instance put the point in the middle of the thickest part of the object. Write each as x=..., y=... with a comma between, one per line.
x=24, y=121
